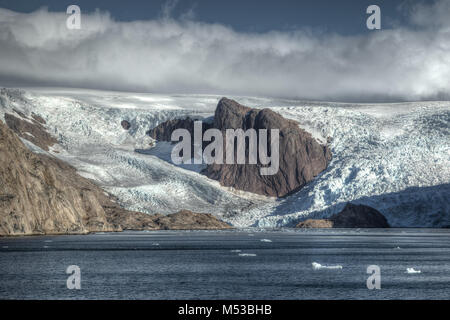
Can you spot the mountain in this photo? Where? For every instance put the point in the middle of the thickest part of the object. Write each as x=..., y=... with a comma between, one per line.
x=41, y=194
x=392, y=157
x=301, y=157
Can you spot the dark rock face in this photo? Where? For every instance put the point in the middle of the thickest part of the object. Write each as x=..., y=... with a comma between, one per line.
x=359, y=216
x=163, y=131
x=301, y=157
x=352, y=216
x=125, y=124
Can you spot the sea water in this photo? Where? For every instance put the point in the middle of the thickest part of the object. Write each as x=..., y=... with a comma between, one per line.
x=239, y=264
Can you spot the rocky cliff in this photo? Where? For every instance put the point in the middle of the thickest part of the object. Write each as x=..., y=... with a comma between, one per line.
x=352, y=216
x=302, y=158
x=31, y=129
x=40, y=194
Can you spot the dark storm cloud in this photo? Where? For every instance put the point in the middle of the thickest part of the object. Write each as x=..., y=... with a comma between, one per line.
x=167, y=55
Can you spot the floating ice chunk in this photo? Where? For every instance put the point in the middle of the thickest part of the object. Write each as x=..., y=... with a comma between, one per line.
x=155, y=244
x=5, y=247
x=397, y=248
x=250, y=235
x=45, y=247
x=318, y=266
x=48, y=241
x=412, y=270
x=247, y=254
x=266, y=240
x=236, y=250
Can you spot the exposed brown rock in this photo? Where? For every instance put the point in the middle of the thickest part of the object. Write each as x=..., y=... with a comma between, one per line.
x=301, y=157
x=186, y=219
x=182, y=220
x=352, y=216
x=316, y=223
x=31, y=130
x=125, y=124
x=163, y=131
x=40, y=194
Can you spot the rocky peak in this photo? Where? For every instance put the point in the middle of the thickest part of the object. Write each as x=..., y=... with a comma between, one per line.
x=230, y=115
x=302, y=158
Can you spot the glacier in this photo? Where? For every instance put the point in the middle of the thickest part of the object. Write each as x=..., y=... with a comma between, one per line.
x=393, y=157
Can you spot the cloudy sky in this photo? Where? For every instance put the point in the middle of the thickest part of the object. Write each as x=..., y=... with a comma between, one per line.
x=317, y=50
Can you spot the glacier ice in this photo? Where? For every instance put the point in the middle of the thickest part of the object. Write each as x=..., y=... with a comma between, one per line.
x=393, y=157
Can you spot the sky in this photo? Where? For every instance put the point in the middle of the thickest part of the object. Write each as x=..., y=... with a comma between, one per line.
x=316, y=50
x=342, y=16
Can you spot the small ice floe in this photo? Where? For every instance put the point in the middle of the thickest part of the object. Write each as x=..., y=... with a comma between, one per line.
x=250, y=234
x=5, y=247
x=247, y=254
x=397, y=248
x=45, y=247
x=318, y=266
x=48, y=241
x=412, y=270
x=237, y=250
x=155, y=244
x=266, y=240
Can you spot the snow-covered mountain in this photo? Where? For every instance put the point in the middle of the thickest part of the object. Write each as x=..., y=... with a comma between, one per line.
x=392, y=157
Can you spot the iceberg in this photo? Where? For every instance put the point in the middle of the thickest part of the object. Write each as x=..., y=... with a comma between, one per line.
x=412, y=270
x=318, y=266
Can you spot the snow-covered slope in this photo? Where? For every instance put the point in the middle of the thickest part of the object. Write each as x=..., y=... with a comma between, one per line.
x=393, y=157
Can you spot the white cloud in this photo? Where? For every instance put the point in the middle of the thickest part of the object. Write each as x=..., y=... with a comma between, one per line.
x=186, y=56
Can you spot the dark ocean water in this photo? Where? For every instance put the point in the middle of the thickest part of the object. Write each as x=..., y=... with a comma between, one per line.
x=204, y=265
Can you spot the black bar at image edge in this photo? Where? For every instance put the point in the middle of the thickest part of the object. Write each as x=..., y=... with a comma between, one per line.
x=222, y=309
